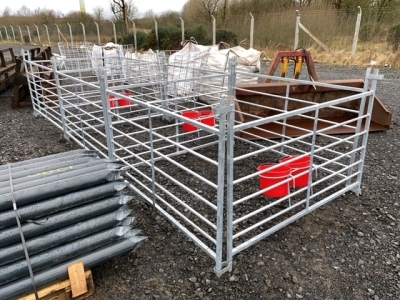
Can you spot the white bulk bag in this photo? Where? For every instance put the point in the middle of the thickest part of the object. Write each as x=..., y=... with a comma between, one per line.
x=248, y=61
x=185, y=68
x=141, y=67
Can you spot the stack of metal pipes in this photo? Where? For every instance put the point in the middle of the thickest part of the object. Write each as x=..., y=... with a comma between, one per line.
x=57, y=210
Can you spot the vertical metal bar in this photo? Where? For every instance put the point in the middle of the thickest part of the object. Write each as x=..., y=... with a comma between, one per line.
x=70, y=33
x=115, y=33
x=356, y=32
x=366, y=129
x=213, y=31
x=134, y=35
x=106, y=112
x=163, y=80
x=296, y=33
x=12, y=30
x=60, y=98
x=58, y=32
x=313, y=141
x=37, y=31
x=47, y=32
x=358, y=127
x=29, y=34
x=35, y=103
x=20, y=33
x=1, y=36
x=229, y=161
x=251, y=30
x=284, y=118
x=98, y=33
x=182, y=29
x=220, y=193
x=156, y=31
x=84, y=32
x=153, y=175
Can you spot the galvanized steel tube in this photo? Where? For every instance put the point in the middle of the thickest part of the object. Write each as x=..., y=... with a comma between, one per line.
x=54, y=157
x=56, y=175
x=66, y=234
x=60, y=203
x=32, y=171
x=59, y=272
x=11, y=235
x=49, y=258
x=56, y=188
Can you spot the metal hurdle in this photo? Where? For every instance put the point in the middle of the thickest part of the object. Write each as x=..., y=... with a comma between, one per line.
x=206, y=179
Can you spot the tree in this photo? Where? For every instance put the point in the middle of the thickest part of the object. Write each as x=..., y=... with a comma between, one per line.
x=208, y=7
x=98, y=13
x=7, y=12
x=169, y=17
x=200, y=10
x=224, y=9
x=24, y=11
x=123, y=10
x=149, y=14
x=393, y=37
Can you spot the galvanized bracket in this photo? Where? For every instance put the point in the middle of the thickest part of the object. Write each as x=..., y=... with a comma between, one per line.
x=225, y=106
x=226, y=268
x=357, y=191
x=373, y=76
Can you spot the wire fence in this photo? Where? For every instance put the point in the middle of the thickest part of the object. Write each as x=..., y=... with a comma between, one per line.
x=336, y=29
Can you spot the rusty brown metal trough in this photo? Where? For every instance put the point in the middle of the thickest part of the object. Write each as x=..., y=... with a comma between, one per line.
x=265, y=99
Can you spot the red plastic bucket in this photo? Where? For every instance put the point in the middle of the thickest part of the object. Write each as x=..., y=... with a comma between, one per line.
x=272, y=177
x=191, y=115
x=299, y=165
x=113, y=103
x=207, y=117
x=123, y=102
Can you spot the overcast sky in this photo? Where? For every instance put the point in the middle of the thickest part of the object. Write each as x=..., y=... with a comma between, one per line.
x=66, y=6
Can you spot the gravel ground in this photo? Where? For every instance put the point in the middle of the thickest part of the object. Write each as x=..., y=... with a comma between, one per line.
x=348, y=249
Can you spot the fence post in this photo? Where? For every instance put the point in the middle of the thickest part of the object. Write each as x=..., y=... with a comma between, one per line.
x=356, y=32
x=47, y=32
x=115, y=33
x=134, y=34
x=84, y=32
x=37, y=30
x=5, y=28
x=98, y=33
x=20, y=33
x=182, y=28
x=58, y=32
x=251, y=30
x=70, y=33
x=296, y=34
x=12, y=30
x=156, y=29
x=1, y=36
x=214, y=31
x=29, y=34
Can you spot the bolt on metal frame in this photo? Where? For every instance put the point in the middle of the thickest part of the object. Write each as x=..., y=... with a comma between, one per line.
x=206, y=181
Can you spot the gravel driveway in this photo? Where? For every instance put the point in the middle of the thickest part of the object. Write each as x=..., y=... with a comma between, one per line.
x=348, y=249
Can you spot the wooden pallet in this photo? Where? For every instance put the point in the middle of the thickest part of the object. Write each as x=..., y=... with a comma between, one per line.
x=79, y=286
